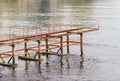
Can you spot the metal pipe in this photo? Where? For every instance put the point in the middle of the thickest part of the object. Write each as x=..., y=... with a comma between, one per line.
x=13, y=53
x=68, y=44
x=81, y=43
x=39, y=49
x=25, y=47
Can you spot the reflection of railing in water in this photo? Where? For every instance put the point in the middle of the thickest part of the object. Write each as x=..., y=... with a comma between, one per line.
x=61, y=32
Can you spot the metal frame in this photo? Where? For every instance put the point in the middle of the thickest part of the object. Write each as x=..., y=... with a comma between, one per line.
x=42, y=34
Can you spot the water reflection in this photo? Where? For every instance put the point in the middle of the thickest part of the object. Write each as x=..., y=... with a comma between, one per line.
x=39, y=70
x=26, y=13
x=27, y=65
x=1, y=72
x=67, y=60
x=81, y=63
x=43, y=8
x=39, y=67
x=13, y=72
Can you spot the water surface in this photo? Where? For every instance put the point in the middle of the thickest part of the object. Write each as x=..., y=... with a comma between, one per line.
x=101, y=48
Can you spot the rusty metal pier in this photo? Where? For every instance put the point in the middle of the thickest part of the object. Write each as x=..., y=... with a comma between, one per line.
x=40, y=40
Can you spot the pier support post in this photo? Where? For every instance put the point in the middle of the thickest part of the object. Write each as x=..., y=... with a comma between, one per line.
x=12, y=59
x=61, y=45
x=67, y=44
x=46, y=43
x=81, y=44
x=39, y=49
x=25, y=47
x=68, y=51
x=47, y=46
x=13, y=53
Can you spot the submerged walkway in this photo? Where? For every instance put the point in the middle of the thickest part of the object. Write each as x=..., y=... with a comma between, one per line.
x=41, y=36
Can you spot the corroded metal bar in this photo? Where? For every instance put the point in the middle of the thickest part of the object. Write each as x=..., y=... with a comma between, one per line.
x=13, y=53
x=61, y=44
x=81, y=43
x=39, y=49
x=52, y=33
x=32, y=36
x=46, y=40
x=47, y=47
x=67, y=44
x=25, y=47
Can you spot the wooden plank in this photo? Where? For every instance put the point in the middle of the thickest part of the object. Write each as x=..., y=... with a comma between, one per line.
x=8, y=64
x=29, y=58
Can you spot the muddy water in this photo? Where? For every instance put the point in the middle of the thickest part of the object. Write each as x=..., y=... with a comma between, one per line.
x=101, y=48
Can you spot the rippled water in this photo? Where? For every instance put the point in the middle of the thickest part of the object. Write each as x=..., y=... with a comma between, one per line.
x=101, y=48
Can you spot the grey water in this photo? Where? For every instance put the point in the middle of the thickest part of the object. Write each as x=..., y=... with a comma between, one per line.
x=101, y=48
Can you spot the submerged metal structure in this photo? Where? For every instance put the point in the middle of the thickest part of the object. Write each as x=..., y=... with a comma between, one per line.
x=41, y=40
